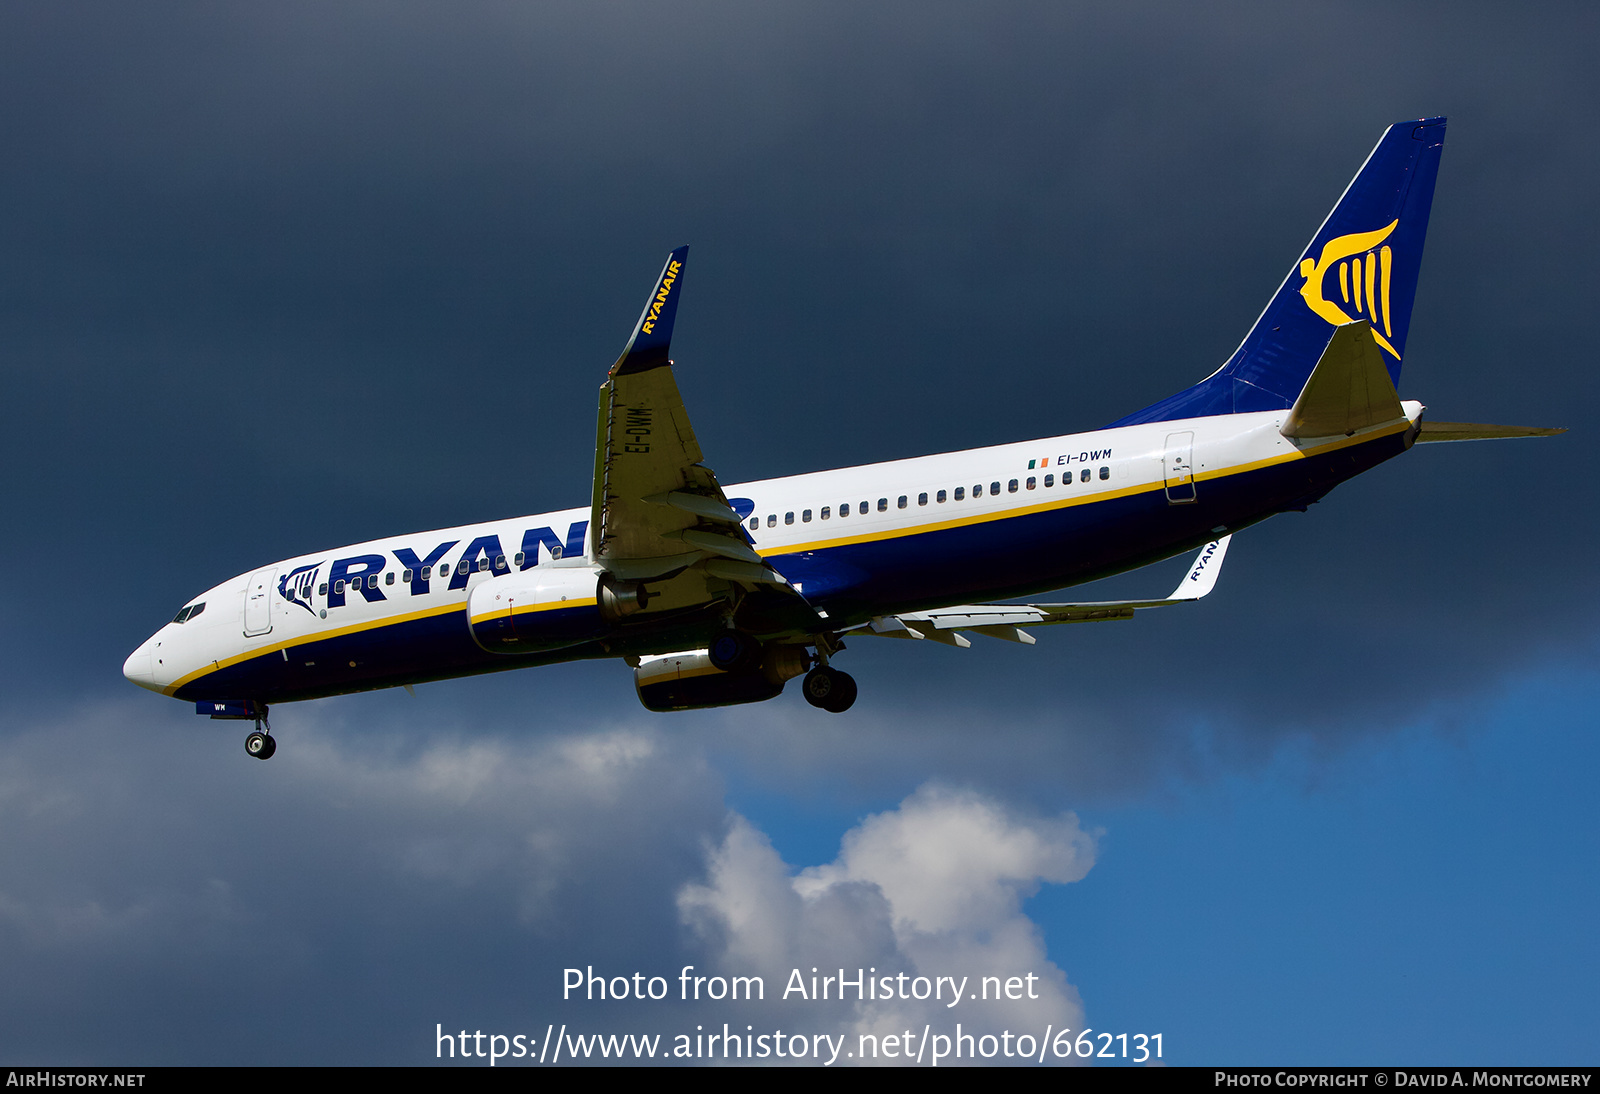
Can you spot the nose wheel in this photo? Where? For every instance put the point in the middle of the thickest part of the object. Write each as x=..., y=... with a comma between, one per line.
x=259, y=742
x=829, y=689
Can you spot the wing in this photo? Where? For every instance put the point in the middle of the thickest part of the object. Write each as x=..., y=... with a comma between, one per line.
x=658, y=513
x=1006, y=620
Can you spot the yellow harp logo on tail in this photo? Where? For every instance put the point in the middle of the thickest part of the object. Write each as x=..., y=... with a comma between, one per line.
x=1363, y=281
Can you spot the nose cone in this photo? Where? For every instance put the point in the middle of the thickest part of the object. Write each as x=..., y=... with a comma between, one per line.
x=140, y=668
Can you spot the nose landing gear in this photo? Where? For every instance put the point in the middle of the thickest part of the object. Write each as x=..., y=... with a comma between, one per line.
x=259, y=742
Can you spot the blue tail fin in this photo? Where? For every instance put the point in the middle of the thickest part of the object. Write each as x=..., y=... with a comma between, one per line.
x=1361, y=264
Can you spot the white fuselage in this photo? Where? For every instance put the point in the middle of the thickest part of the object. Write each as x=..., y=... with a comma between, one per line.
x=858, y=527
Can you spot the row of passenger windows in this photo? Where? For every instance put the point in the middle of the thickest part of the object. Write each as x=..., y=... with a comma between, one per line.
x=939, y=497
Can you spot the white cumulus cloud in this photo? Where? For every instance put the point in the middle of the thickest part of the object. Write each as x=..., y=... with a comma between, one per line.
x=932, y=890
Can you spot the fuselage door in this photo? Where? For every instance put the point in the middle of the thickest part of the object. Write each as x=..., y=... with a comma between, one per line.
x=258, y=602
x=1178, y=464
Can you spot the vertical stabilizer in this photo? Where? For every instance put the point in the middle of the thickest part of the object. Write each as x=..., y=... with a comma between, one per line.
x=1361, y=265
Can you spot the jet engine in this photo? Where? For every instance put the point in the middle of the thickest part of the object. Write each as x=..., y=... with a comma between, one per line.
x=689, y=681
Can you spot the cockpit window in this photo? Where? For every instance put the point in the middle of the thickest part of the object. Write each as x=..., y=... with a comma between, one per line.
x=189, y=612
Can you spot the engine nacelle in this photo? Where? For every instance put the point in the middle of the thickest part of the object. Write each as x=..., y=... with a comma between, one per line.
x=542, y=608
x=689, y=681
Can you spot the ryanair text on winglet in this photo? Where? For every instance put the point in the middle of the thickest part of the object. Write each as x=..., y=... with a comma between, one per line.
x=660, y=299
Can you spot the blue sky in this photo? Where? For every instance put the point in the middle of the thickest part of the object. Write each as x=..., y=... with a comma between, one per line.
x=1419, y=901
x=283, y=279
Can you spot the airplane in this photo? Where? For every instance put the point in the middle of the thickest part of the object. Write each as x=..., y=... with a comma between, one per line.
x=720, y=595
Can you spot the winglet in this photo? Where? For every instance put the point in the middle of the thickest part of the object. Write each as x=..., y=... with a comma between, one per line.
x=652, y=335
x=1202, y=576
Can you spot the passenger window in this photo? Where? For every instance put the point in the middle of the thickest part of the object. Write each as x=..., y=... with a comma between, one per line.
x=322, y=590
x=977, y=490
x=844, y=510
x=388, y=578
x=864, y=508
x=922, y=499
x=1033, y=483
x=788, y=518
x=1083, y=476
x=483, y=563
x=755, y=522
x=372, y=581
x=338, y=586
x=427, y=572
x=903, y=500
x=464, y=566
x=555, y=552
x=883, y=505
x=939, y=497
x=499, y=562
x=772, y=520
x=406, y=577
x=1011, y=487
x=827, y=511
x=961, y=492
x=1105, y=472
x=994, y=488
x=805, y=517
x=1049, y=481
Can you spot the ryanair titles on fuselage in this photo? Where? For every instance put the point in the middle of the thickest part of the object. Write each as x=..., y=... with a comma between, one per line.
x=360, y=573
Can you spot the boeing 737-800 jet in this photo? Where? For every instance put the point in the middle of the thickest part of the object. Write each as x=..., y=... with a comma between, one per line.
x=718, y=595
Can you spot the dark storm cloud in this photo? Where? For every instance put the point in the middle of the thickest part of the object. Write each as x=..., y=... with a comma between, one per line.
x=278, y=279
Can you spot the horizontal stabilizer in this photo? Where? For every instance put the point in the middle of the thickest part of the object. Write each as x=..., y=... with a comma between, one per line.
x=1474, y=431
x=1005, y=621
x=1348, y=390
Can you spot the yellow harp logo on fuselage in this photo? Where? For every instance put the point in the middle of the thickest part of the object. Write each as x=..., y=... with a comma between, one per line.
x=1363, y=281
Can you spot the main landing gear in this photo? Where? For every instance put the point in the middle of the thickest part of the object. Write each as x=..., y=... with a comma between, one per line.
x=826, y=688
x=829, y=689
x=259, y=743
